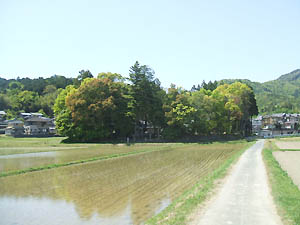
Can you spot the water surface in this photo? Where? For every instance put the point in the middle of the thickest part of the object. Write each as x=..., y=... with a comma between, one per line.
x=120, y=191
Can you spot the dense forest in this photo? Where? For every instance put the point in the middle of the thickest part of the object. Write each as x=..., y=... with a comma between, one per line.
x=110, y=106
x=276, y=96
x=34, y=95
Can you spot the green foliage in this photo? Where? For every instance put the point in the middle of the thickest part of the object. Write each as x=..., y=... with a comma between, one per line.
x=31, y=95
x=27, y=100
x=277, y=96
x=225, y=110
x=147, y=95
x=106, y=107
x=4, y=101
x=63, y=117
x=97, y=110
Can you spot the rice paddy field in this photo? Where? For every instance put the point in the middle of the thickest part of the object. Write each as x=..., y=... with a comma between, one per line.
x=24, y=153
x=282, y=159
x=122, y=190
x=289, y=157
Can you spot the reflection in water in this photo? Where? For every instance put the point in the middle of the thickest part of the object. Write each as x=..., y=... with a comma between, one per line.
x=51, y=212
x=127, y=190
x=29, y=155
x=66, y=154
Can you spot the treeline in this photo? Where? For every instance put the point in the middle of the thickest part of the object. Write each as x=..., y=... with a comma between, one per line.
x=34, y=95
x=277, y=96
x=113, y=107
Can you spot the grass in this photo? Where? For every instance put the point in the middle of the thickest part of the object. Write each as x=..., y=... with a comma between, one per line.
x=286, y=194
x=283, y=150
x=178, y=211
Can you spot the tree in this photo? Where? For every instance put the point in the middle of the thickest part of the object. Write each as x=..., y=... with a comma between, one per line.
x=180, y=114
x=114, y=77
x=238, y=104
x=47, y=100
x=99, y=110
x=4, y=102
x=63, y=115
x=28, y=101
x=83, y=74
x=147, y=95
x=201, y=101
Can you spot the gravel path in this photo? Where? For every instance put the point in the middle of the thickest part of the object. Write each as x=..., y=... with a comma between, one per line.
x=245, y=198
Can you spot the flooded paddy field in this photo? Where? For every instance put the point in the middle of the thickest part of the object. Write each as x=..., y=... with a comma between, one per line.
x=36, y=153
x=125, y=190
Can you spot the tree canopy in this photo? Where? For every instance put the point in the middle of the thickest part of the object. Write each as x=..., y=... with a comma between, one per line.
x=111, y=106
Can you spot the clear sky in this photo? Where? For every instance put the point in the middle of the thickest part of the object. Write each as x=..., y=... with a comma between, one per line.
x=184, y=41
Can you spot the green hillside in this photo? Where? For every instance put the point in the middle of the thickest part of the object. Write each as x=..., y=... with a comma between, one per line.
x=280, y=95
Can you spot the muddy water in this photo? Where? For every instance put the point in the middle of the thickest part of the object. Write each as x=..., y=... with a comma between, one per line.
x=126, y=190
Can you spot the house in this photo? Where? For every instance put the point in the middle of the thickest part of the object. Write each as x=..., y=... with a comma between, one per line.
x=35, y=124
x=25, y=116
x=14, y=128
x=38, y=126
x=279, y=124
x=256, y=124
x=52, y=127
x=3, y=124
x=2, y=115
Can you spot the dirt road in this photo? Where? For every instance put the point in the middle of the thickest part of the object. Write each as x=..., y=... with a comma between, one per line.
x=245, y=198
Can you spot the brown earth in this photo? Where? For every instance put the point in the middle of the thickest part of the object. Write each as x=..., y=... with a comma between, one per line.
x=288, y=144
x=290, y=162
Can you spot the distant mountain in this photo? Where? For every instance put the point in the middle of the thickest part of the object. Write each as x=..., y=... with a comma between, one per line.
x=280, y=95
x=294, y=75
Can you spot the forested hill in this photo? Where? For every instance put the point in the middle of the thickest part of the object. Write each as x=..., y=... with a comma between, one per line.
x=280, y=95
x=32, y=95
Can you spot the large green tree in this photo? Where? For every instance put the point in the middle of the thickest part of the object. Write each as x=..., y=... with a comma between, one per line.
x=148, y=98
x=99, y=110
x=63, y=115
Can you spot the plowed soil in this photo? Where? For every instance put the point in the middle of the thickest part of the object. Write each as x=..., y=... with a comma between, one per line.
x=290, y=162
x=288, y=144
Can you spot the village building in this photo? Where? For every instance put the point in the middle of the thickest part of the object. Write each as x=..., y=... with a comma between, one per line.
x=256, y=124
x=28, y=115
x=37, y=126
x=279, y=124
x=2, y=115
x=3, y=124
x=34, y=125
x=14, y=128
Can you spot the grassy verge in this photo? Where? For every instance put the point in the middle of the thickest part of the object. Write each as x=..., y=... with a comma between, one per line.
x=180, y=209
x=283, y=150
x=286, y=194
x=51, y=166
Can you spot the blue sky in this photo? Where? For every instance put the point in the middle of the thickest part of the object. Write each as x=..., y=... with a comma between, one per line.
x=185, y=42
